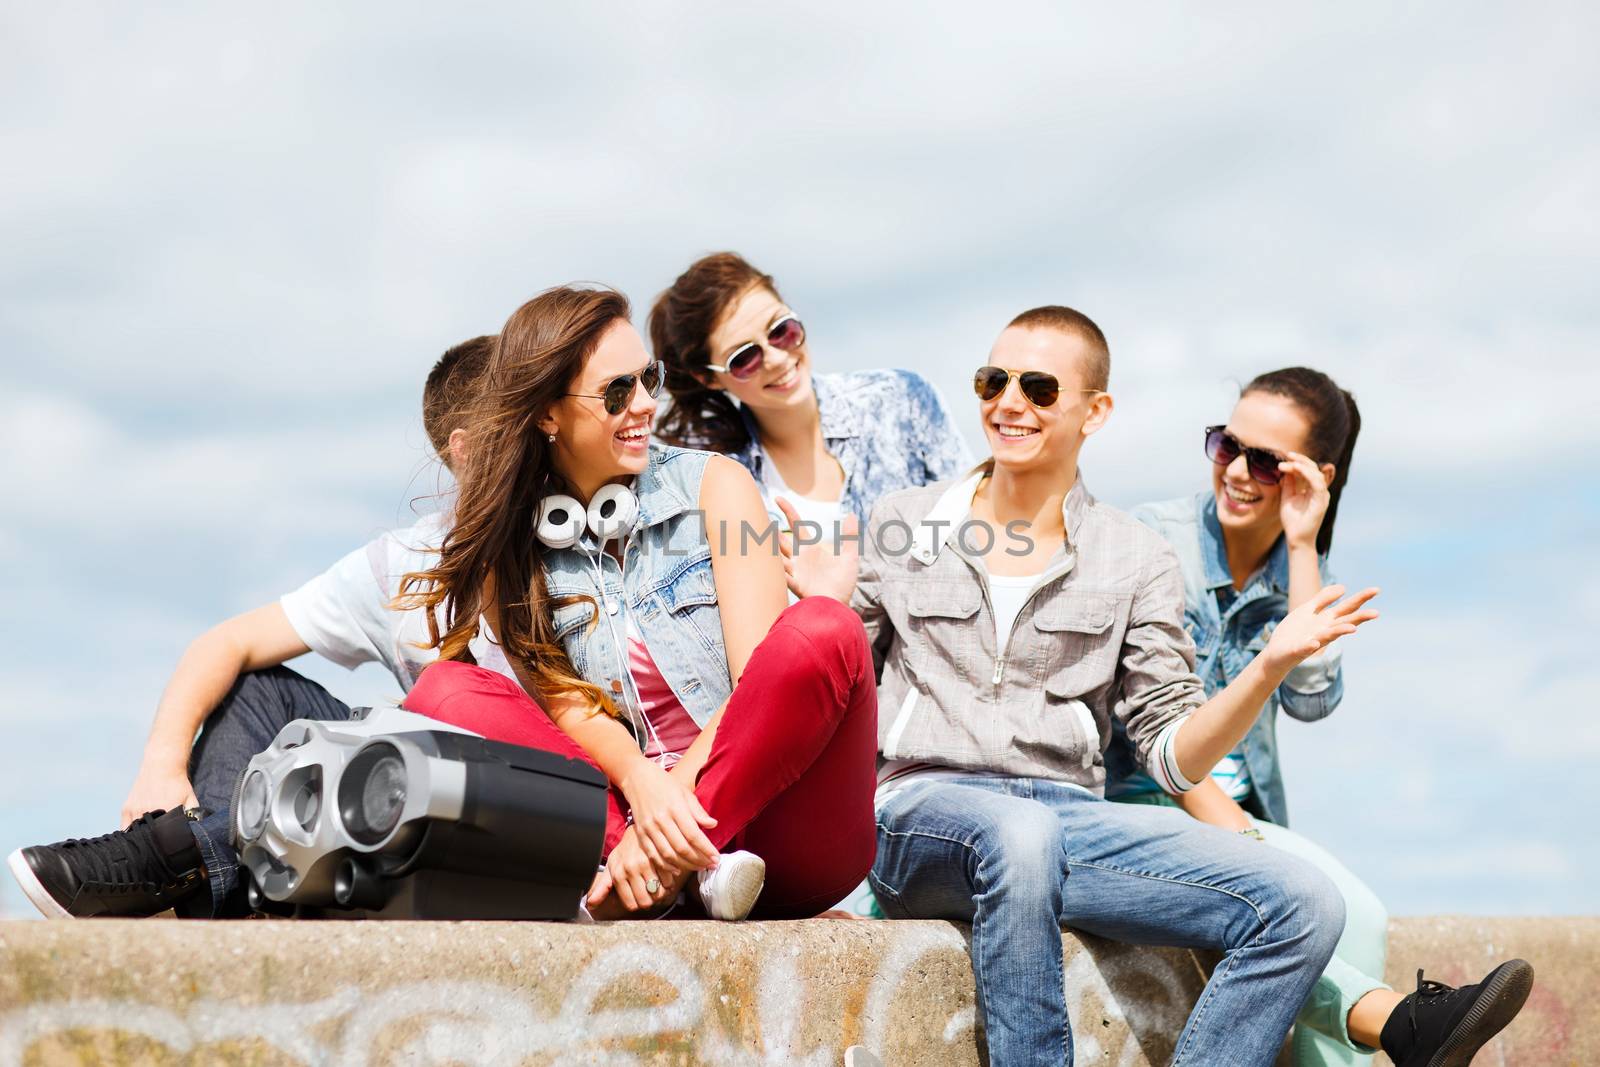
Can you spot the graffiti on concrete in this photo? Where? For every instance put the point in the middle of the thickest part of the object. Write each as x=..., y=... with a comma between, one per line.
x=481, y=1022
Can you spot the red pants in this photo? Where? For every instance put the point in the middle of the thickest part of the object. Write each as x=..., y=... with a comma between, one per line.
x=792, y=768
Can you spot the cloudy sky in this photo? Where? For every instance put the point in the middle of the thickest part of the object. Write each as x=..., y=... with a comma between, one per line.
x=234, y=243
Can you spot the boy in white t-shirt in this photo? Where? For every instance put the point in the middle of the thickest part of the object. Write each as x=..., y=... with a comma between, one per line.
x=176, y=850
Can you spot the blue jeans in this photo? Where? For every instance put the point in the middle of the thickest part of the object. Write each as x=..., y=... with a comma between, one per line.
x=1018, y=857
x=259, y=705
x=1321, y=1032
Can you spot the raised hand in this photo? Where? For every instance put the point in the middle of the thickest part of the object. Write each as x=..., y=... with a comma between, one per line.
x=1315, y=625
x=824, y=568
x=1302, y=498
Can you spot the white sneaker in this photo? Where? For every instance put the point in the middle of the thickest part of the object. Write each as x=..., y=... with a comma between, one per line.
x=858, y=1056
x=729, y=890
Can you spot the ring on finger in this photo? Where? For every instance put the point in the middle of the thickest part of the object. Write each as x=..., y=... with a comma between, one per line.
x=653, y=886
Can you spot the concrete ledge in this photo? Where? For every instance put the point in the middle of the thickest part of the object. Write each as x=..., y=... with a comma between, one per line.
x=270, y=992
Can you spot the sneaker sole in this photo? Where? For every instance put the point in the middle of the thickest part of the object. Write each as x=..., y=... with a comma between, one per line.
x=742, y=890
x=34, y=889
x=1501, y=997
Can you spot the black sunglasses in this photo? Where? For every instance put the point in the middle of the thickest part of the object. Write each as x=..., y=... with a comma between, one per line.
x=785, y=335
x=1222, y=448
x=619, y=390
x=1040, y=388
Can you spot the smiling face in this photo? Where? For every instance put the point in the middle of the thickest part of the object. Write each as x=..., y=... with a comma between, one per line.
x=1259, y=420
x=593, y=447
x=1026, y=438
x=784, y=379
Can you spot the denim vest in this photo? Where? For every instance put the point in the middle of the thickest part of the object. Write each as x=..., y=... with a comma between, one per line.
x=889, y=430
x=665, y=587
x=1226, y=640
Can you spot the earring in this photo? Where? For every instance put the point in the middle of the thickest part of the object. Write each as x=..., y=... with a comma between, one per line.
x=552, y=438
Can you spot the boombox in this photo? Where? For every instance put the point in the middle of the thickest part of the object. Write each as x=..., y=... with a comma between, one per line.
x=396, y=815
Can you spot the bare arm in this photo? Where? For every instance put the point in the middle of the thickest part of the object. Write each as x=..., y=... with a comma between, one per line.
x=1305, y=574
x=1303, y=505
x=750, y=584
x=1208, y=803
x=209, y=667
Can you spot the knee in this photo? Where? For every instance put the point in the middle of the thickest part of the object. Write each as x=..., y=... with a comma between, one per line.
x=444, y=682
x=263, y=681
x=1312, y=906
x=833, y=630
x=828, y=624
x=1021, y=851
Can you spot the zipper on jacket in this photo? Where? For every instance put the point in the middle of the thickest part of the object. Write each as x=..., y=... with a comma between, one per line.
x=983, y=585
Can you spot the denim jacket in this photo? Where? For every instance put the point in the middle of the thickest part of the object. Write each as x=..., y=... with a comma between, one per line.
x=1227, y=640
x=666, y=588
x=889, y=429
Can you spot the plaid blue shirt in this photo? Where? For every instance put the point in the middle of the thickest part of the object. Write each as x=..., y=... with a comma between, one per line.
x=889, y=430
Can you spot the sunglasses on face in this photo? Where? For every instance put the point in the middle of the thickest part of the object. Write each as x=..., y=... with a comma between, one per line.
x=619, y=390
x=1041, y=389
x=785, y=335
x=1222, y=448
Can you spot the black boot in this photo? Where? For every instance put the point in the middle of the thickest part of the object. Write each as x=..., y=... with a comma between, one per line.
x=1440, y=1026
x=143, y=870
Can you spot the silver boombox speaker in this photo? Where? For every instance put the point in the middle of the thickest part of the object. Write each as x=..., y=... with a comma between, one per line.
x=396, y=815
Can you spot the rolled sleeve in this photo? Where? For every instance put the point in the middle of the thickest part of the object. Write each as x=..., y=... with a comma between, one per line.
x=1163, y=765
x=1313, y=689
x=1157, y=686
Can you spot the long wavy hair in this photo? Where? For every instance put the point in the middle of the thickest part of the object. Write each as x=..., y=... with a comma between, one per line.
x=508, y=471
x=681, y=322
x=1335, y=423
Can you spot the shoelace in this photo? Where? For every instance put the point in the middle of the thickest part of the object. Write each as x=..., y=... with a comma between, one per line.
x=135, y=847
x=1432, y=990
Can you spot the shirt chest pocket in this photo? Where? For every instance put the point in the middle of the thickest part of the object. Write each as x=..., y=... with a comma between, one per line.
x=941, y=622
x=1081, y=634
x=689, y=602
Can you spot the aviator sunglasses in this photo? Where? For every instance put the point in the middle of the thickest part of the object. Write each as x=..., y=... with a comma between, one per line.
x=1040, y=388
x=785, y=335
x=1222, y=448
x=619, y=390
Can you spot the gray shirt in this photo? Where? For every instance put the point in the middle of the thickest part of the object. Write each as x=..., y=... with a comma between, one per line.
x=1101, y=635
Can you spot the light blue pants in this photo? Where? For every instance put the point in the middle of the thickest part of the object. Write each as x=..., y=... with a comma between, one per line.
x=1321, y=1035
x=1321, y=1038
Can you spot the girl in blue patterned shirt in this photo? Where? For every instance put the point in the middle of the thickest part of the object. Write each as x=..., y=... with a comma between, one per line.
x=1253, y=547
x=740, y=375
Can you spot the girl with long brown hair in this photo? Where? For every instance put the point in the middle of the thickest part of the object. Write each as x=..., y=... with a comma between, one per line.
x=655, y=636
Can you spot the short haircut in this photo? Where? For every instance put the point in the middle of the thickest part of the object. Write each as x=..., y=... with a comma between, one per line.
x=450, y=388
x=1097, y=368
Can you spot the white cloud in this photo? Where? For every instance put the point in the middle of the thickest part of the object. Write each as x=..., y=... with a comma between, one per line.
x=237, y=245
x=86, y=474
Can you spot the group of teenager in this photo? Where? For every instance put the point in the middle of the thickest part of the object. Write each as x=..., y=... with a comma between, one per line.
x=826, y=645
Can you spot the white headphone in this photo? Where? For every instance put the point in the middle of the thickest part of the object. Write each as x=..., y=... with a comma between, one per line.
x=611, y=514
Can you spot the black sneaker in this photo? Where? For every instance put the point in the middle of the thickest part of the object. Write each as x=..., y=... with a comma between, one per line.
x=1440, y=1026
x=142, y=870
